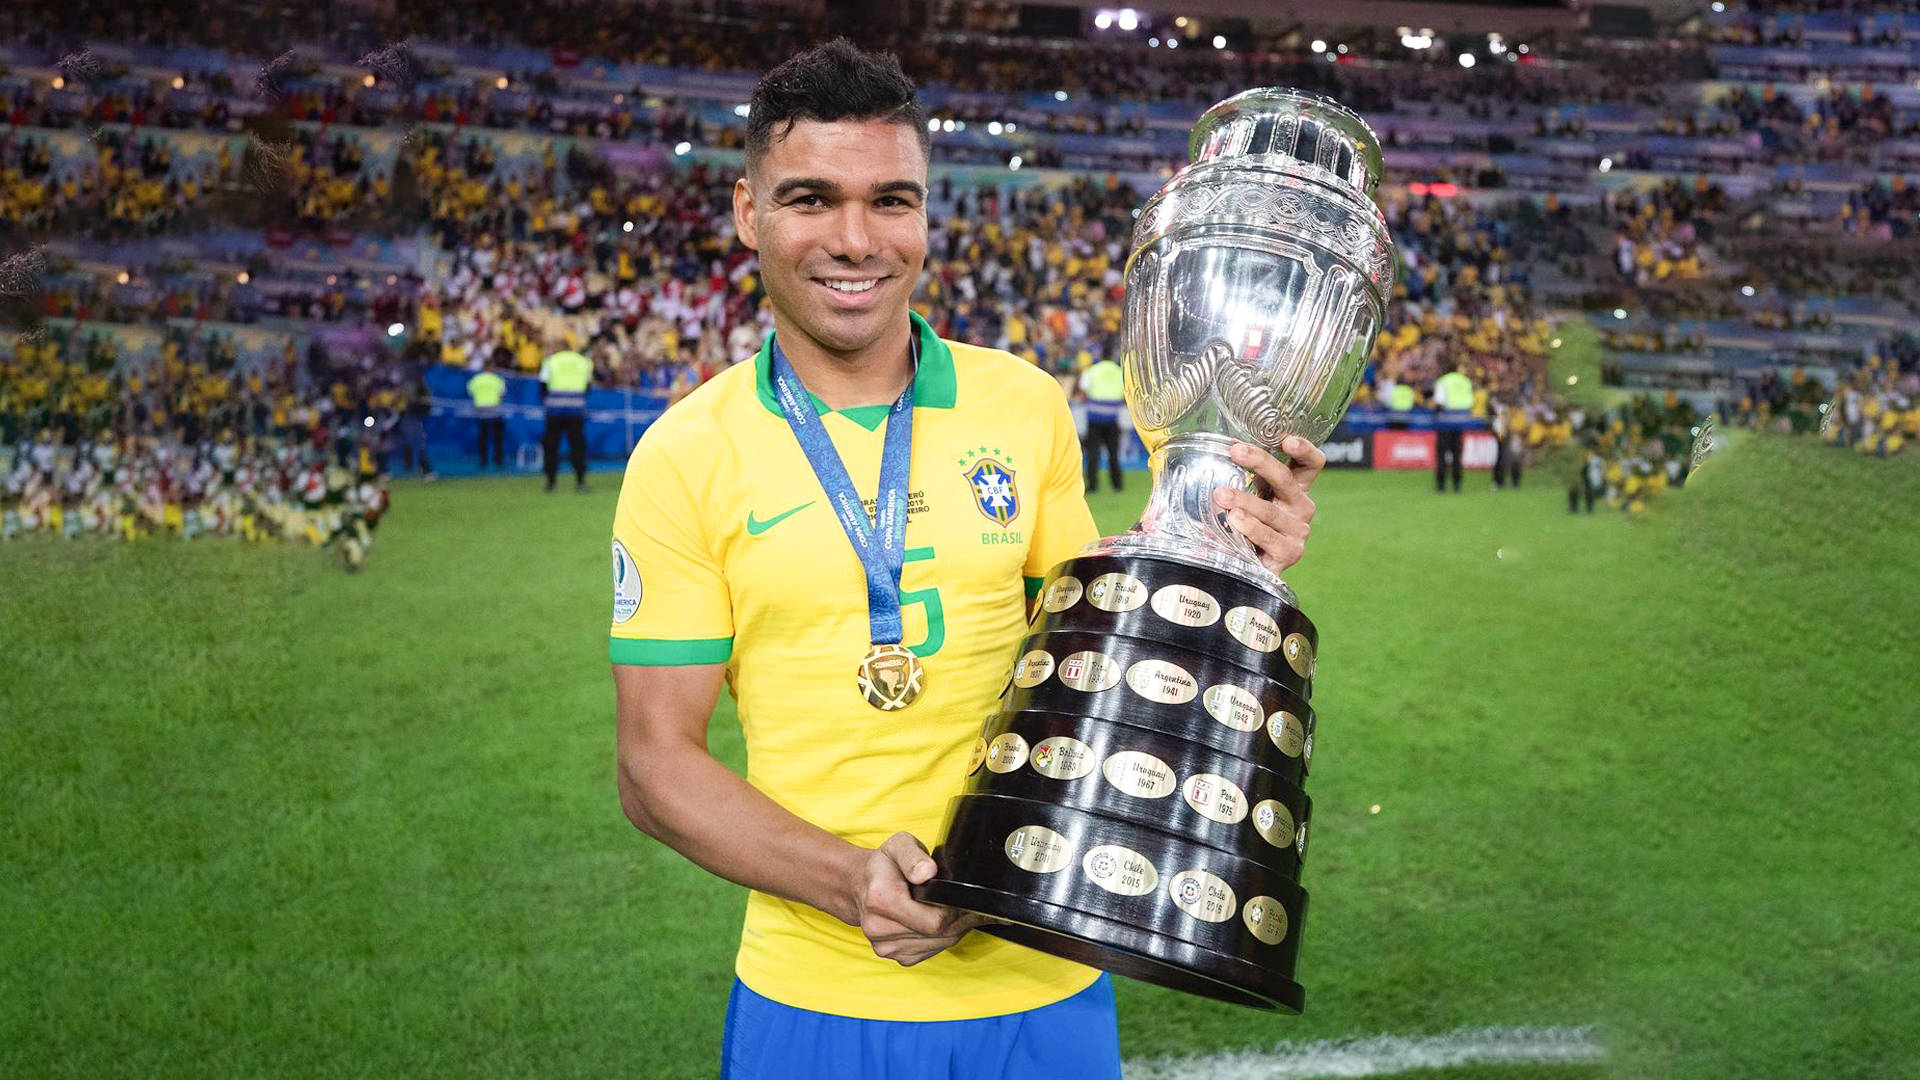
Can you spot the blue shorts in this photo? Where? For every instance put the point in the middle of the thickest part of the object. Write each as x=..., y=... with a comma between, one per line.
x=1074, y=1039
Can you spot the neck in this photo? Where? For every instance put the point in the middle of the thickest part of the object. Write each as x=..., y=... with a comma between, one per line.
x=875, y=375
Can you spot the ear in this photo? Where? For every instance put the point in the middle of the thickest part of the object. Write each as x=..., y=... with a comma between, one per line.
x=743, y=206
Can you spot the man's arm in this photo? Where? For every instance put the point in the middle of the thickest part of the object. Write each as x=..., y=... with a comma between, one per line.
x=674, y=790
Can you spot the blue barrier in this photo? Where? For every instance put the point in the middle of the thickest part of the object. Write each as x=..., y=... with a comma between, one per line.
x=1133, y=452
x=1368, y=420
x=617, y=418
x=615, y=421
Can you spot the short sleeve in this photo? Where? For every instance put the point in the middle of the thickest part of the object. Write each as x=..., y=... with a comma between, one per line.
x=1064, y=524
x=670, y=600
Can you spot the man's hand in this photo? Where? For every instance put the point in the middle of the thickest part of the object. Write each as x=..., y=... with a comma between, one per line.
x=901, y=928
x=1276, y=526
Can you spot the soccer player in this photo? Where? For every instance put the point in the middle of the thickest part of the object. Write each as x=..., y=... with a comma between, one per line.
x=839, y=529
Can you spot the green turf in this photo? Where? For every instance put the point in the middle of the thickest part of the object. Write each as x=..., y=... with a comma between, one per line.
x=265, y=818
x=1578, y=358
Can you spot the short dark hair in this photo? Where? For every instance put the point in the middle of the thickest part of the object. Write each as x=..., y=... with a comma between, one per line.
x=834, y=81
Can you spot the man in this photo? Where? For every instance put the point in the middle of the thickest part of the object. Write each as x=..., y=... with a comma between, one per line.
x=416, y=406
x=564, y=378
x=1452, y=392
x=743, y=554
x=1103, y=386
x=487, y=389
x=1399, y=404
x=1508, y=422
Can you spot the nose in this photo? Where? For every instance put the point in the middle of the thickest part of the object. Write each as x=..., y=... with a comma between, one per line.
x=850, y=238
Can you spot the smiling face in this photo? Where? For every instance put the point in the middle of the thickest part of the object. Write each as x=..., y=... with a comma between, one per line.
x=837, y=212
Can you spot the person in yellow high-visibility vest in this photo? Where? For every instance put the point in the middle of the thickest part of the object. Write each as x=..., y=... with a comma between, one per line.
x=1103, y=389
x=1452, y=392
x=564, y=378
x=487, y=389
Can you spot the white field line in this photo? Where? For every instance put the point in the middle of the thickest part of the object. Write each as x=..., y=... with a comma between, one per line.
x=1380, y=1055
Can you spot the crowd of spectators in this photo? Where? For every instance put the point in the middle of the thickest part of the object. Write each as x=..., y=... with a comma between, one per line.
x=180, y=450
x=1630, y=454
x=1886, y=209
x=298, y=448
x=1874, y=409
x=1659, y=234
x=642, y=275
x=1626, y=456
x=131, y=187
x=1463, y=302
x=1779, y=24
x=637, y=272
x=1825, y=268
x=639, y=269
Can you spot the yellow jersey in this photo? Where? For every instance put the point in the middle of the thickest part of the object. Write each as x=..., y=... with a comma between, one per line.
x=725, y=550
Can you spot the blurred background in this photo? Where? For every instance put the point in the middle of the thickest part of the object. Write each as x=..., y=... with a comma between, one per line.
x=303, y=700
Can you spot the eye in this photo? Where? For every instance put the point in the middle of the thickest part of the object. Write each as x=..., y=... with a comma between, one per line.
x=893, y=200
x=805, y=200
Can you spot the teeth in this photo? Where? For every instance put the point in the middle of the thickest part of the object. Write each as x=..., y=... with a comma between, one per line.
x=852, y=286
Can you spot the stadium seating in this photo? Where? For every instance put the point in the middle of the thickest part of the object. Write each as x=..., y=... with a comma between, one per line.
x=465, y=184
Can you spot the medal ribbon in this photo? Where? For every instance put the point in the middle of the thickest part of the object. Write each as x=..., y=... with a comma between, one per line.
x=880, y=541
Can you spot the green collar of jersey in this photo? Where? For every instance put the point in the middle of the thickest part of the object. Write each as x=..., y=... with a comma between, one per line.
x=933, y=384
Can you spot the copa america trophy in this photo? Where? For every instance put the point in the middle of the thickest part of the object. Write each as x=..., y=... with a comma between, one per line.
x=1136, y=802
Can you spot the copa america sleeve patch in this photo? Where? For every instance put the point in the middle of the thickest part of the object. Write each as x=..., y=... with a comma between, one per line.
x=626, y=584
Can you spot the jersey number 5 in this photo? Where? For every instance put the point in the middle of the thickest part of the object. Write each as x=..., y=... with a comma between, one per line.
x=930, y=598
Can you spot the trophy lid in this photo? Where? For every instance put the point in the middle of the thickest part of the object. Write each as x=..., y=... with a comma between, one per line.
x=1283, y=122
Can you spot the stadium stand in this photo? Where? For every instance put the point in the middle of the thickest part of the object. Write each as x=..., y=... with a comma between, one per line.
x=274, y=227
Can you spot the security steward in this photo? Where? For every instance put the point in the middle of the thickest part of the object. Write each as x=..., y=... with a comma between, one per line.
x=1103, y=389
x=1452, y=392
x=564, y=378
x=486, y=389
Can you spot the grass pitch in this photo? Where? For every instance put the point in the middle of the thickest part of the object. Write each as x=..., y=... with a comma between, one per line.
x=264, y=818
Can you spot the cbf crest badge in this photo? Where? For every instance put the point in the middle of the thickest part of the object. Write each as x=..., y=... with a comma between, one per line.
x=990, y=475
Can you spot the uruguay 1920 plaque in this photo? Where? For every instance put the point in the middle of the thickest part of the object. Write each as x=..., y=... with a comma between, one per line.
x=1137, y=801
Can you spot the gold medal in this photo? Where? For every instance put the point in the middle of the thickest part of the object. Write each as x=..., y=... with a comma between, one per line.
x=890, y=677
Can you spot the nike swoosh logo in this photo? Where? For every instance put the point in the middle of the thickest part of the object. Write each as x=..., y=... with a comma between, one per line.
x=755, y=527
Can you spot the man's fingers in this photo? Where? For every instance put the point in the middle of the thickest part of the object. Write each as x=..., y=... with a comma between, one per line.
x=942, y=927
x=1289, y=479
x=888, y=899
x=1277, y=550
x=1306, y=460
x=1265, y=466
x=901, y=928
x=1264, y=536
x=910, y=856
x=904, y=924
x=967, y=920
x=891, y=902
x=1285, y=519
x=893, y=912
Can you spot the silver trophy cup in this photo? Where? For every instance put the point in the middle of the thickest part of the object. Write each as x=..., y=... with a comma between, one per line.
x=1137, y=800
x=1257, y=284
